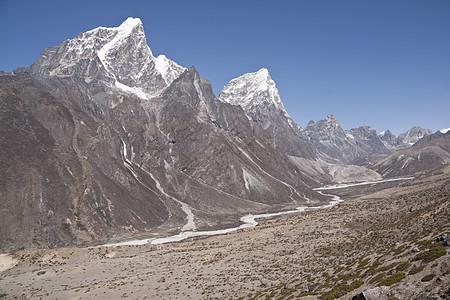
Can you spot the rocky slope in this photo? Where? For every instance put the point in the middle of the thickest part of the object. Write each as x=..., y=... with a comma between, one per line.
x=103, y=141
x=258, y=96
x=404, y=140
x=413, y=135
x=393, y=244
x=334, y=145
x=424, y=156
x=437, y=135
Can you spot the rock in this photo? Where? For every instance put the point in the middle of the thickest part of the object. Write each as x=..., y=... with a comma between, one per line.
x=360, y=296
x=414, y=250
x=313, y=286
x=443, y=239
x=372, y=294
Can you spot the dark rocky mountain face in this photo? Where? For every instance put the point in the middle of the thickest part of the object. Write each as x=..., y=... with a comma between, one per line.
x=88, y=155
x=62, y=179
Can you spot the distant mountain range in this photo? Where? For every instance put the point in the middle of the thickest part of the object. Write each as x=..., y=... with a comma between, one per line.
x=101, y=140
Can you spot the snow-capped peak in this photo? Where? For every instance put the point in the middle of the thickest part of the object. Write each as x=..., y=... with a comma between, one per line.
x=123, y=31
x=444, y=131
x=119, y=57
x=253, y=91
x=169, y=70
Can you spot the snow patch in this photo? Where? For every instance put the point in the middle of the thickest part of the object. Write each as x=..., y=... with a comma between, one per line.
x=132, y=90
x=350, y=136
x=444, y=131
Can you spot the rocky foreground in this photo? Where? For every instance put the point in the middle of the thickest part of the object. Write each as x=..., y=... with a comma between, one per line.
x=392, y=244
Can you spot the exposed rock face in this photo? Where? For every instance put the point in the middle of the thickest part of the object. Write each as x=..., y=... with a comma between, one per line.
x=335, y=145
x=103, y=140
x=404, y=140
x=63, y=180
x=366, y=141
x=372, y=294
x=413, y=135
x=389, y=139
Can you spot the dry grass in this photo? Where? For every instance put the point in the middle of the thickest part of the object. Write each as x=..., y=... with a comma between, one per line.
x=337, y=252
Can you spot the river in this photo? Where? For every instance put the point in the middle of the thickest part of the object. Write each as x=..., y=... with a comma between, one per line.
x=250, y=220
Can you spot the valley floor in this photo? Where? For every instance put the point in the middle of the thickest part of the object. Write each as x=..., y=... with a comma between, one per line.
x=392, y=244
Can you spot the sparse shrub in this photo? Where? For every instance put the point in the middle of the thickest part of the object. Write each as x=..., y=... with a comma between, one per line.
x=363, y=263
x=341, y=290
x=388, y=267
x=416, y=270
x=435, y=251
x=392, y=279
x=402, y=266
x=428, y=277
x=399, y=250
x=40, y=273
x=377, y=277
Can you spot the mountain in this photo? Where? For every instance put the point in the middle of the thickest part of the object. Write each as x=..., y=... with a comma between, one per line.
x=437, y=135
x=103, y=141
x=413, y=135
x=117, y=58
x=422, y=157
x=389, y=139
x=256, y=93
x=258, y=96
x=404, y=140
x=334, y=145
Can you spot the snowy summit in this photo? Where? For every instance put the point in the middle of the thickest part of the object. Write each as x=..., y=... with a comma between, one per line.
x=118, y=56
x=257, y=94
x=251, y=90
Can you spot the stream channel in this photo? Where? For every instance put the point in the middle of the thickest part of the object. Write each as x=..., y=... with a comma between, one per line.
x=250, y=220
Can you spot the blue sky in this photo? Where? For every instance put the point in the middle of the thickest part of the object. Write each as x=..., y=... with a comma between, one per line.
x=383, y=63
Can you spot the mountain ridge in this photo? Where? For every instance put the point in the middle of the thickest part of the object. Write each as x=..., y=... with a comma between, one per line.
x=110, y=141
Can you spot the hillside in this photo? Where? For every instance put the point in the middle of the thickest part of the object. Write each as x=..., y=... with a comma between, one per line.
x=393, y=243
x=420, y=158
